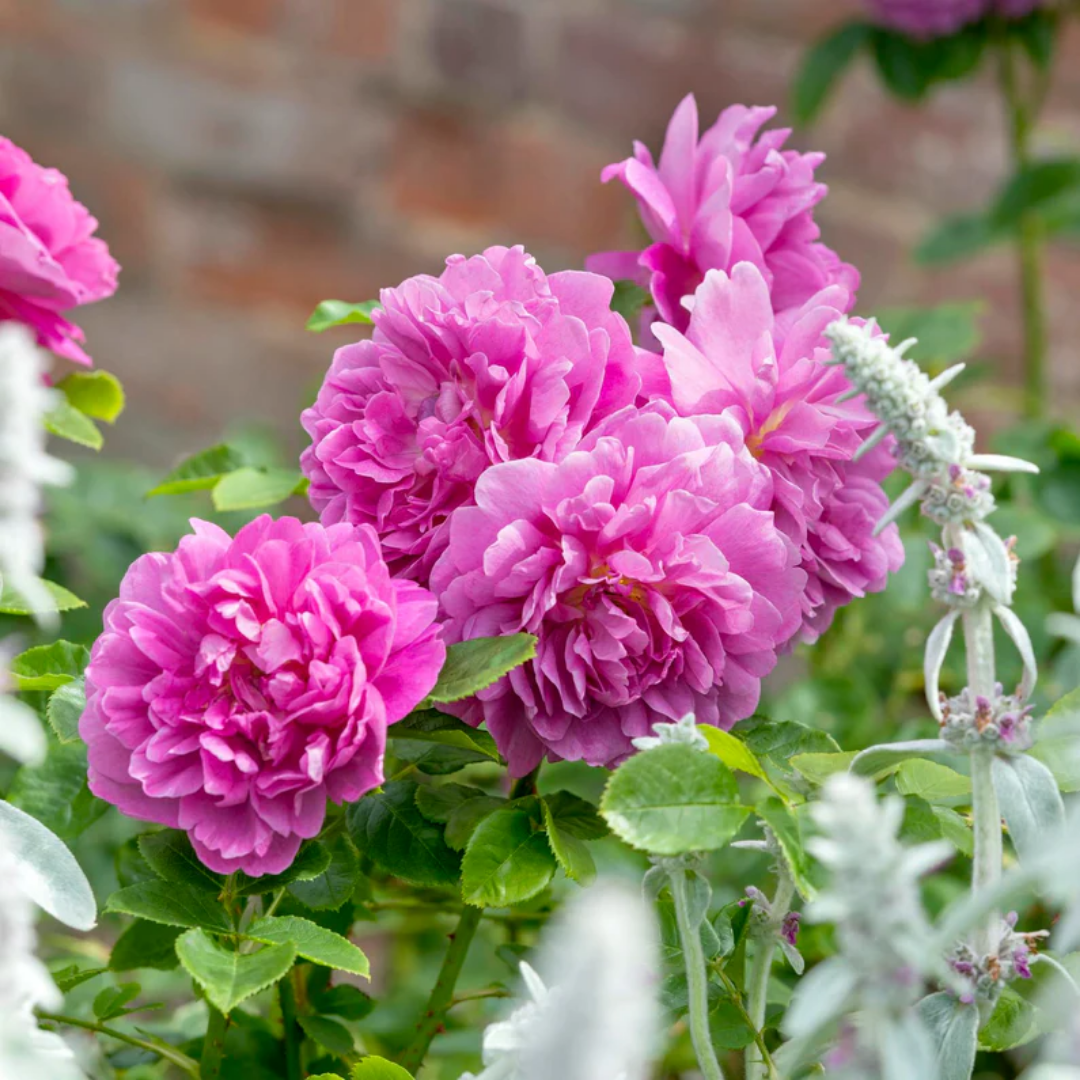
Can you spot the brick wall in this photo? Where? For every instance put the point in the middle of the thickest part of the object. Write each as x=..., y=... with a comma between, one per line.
x=250, y=157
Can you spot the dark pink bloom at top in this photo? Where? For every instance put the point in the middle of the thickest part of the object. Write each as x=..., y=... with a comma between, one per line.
x=939, y=18
x=771, y=375
x=50, y=261
x=241, y=683
x=492, y=361
x=727, y=197
x=649, y=566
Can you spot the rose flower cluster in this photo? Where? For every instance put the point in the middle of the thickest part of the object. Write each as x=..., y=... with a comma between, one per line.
x=499, y=456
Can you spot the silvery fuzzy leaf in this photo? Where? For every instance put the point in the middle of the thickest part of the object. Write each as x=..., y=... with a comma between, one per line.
x=698, y=898
x=51, y=877
x=1016, y=630
x=823, y=995
x=937, y=647
x=954, y=1028
x=654, y=882
x=1000, y=463
x=939, y=382
x=21, y=734
x=988, y=557
x=793, y=956
x=1030, y=802
x=907, y=1050
x=878, y=759
x=1064, y=626
x=877, y=436
x=905, y=501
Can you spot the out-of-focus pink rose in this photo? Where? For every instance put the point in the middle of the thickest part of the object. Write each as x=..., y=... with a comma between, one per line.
x=241, y=683
x=50, y=261
x=926, y=19
x=649, y=566
x=492, y=361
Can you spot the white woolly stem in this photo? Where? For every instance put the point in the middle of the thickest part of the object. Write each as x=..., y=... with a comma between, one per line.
x=757, y=985
x=696, y=978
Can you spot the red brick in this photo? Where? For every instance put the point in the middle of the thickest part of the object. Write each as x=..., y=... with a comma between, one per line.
x=480, y=47
x=364, y=29
x=242, y=16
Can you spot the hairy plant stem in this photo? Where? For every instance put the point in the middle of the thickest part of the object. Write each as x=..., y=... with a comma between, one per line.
x=696, y=977
x=162, y=1049
x=213, y=1045
x=736, y=999
x=287, y=997
x=442, y=993
x=1029, y=243
x=757, y=987
x=986, y=871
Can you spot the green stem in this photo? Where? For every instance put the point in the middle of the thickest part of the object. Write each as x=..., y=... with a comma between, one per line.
x=1029, y=242
x=213, y=1045
x=442, y=993
x=736, y=999
x=757, y=1065
x=287, y=997
x=162, y=1049
x=696, y=978
x=525, y=785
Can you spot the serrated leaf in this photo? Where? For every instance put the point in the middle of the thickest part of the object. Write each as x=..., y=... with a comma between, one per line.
x=332, y=313
x=474, y=665
x=348, y=1002
x=65, y=421
x=438, y=802
x=954, y=1028
x=463, y=819
x=249, y=488
x=1030, y=802
x=67, y=978
x=97, y=393
x=200, y=472
x=12, y=603
x=171, y=903
x=49, y=874
x=434, y=727
x=1011, y=1024
x=673, y=800
x=507, y=860
x=312, y=860
x=931, y=781
x=377, y=1068
x=733, y=752
x=786, y=828
x=956, y=830
x=56, y=792
x=389, y=829
x=171, y=856
x=329, y=1034
x=330, y=889
x=110, y=1002
x=817, y=768
x=822, y=67
x=65, y=708
x=570, y=852
x=47, y=667
x=313, y=942
x=576, y=816
x=434, y=759
x=145, y=945
x=226, y=977
x=780, y=741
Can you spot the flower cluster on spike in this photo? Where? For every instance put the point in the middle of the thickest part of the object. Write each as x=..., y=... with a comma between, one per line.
x=1010, y=960
x=1002, y=722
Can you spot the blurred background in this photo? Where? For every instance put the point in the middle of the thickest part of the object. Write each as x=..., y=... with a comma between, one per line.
x=248, y=158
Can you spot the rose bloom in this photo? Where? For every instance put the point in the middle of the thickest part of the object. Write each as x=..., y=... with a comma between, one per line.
x=492, y=361
x=926, y=19
x=649, y=566
x=50, y=261
x=728, y=196
x=773, y=377
x=241, y=683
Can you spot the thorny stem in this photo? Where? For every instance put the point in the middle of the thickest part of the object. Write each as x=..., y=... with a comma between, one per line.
x=696, y=978
x=287, y=998
x=757, y=1067
x=1021, y=116
x=213, y=1045
x=163, y=1050
x=442, y=993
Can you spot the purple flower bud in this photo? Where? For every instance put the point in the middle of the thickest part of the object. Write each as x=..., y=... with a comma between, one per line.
x=789, y=931
x=1021, y=963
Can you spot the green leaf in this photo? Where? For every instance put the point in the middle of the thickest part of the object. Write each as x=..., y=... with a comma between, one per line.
x=172, y=858
x=464, y=819
x=947, y=333
x=97, y=393
x=438, y=802
x=474, y=665
x=377, y=1068
x=733, y=752
x=570, y=852
x=110, y=1002
x=822, y=67
x=228, y=977
x=329, y=1034
x=389, y=829
x=47, y=667
x=313, y=942
x=1058, y=747
x=959, y=237
x=576, y=816
x=312, y=860
x=332, y=313
x=817, y=768
x=1011, y=1024
x=1033, y=187
x=427, y=725
x=727, y=1028
x=145, y=945
x=12, y=603
x=786, y=827
x=879, y=761
x=56, y=792
x=65, y=421
x=65, y=708
x=200, y=472
x=628, y=299
x=673, y=800
x=956, y=830
x=331, y=888
x=348, y=1002
x=507, y=860
x=1037, y=33
x=171, y=903
x=67, y=978
x=249, y=488
x=906, y=67
x=931, y=781
x=781, y=741
x=434, y=759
